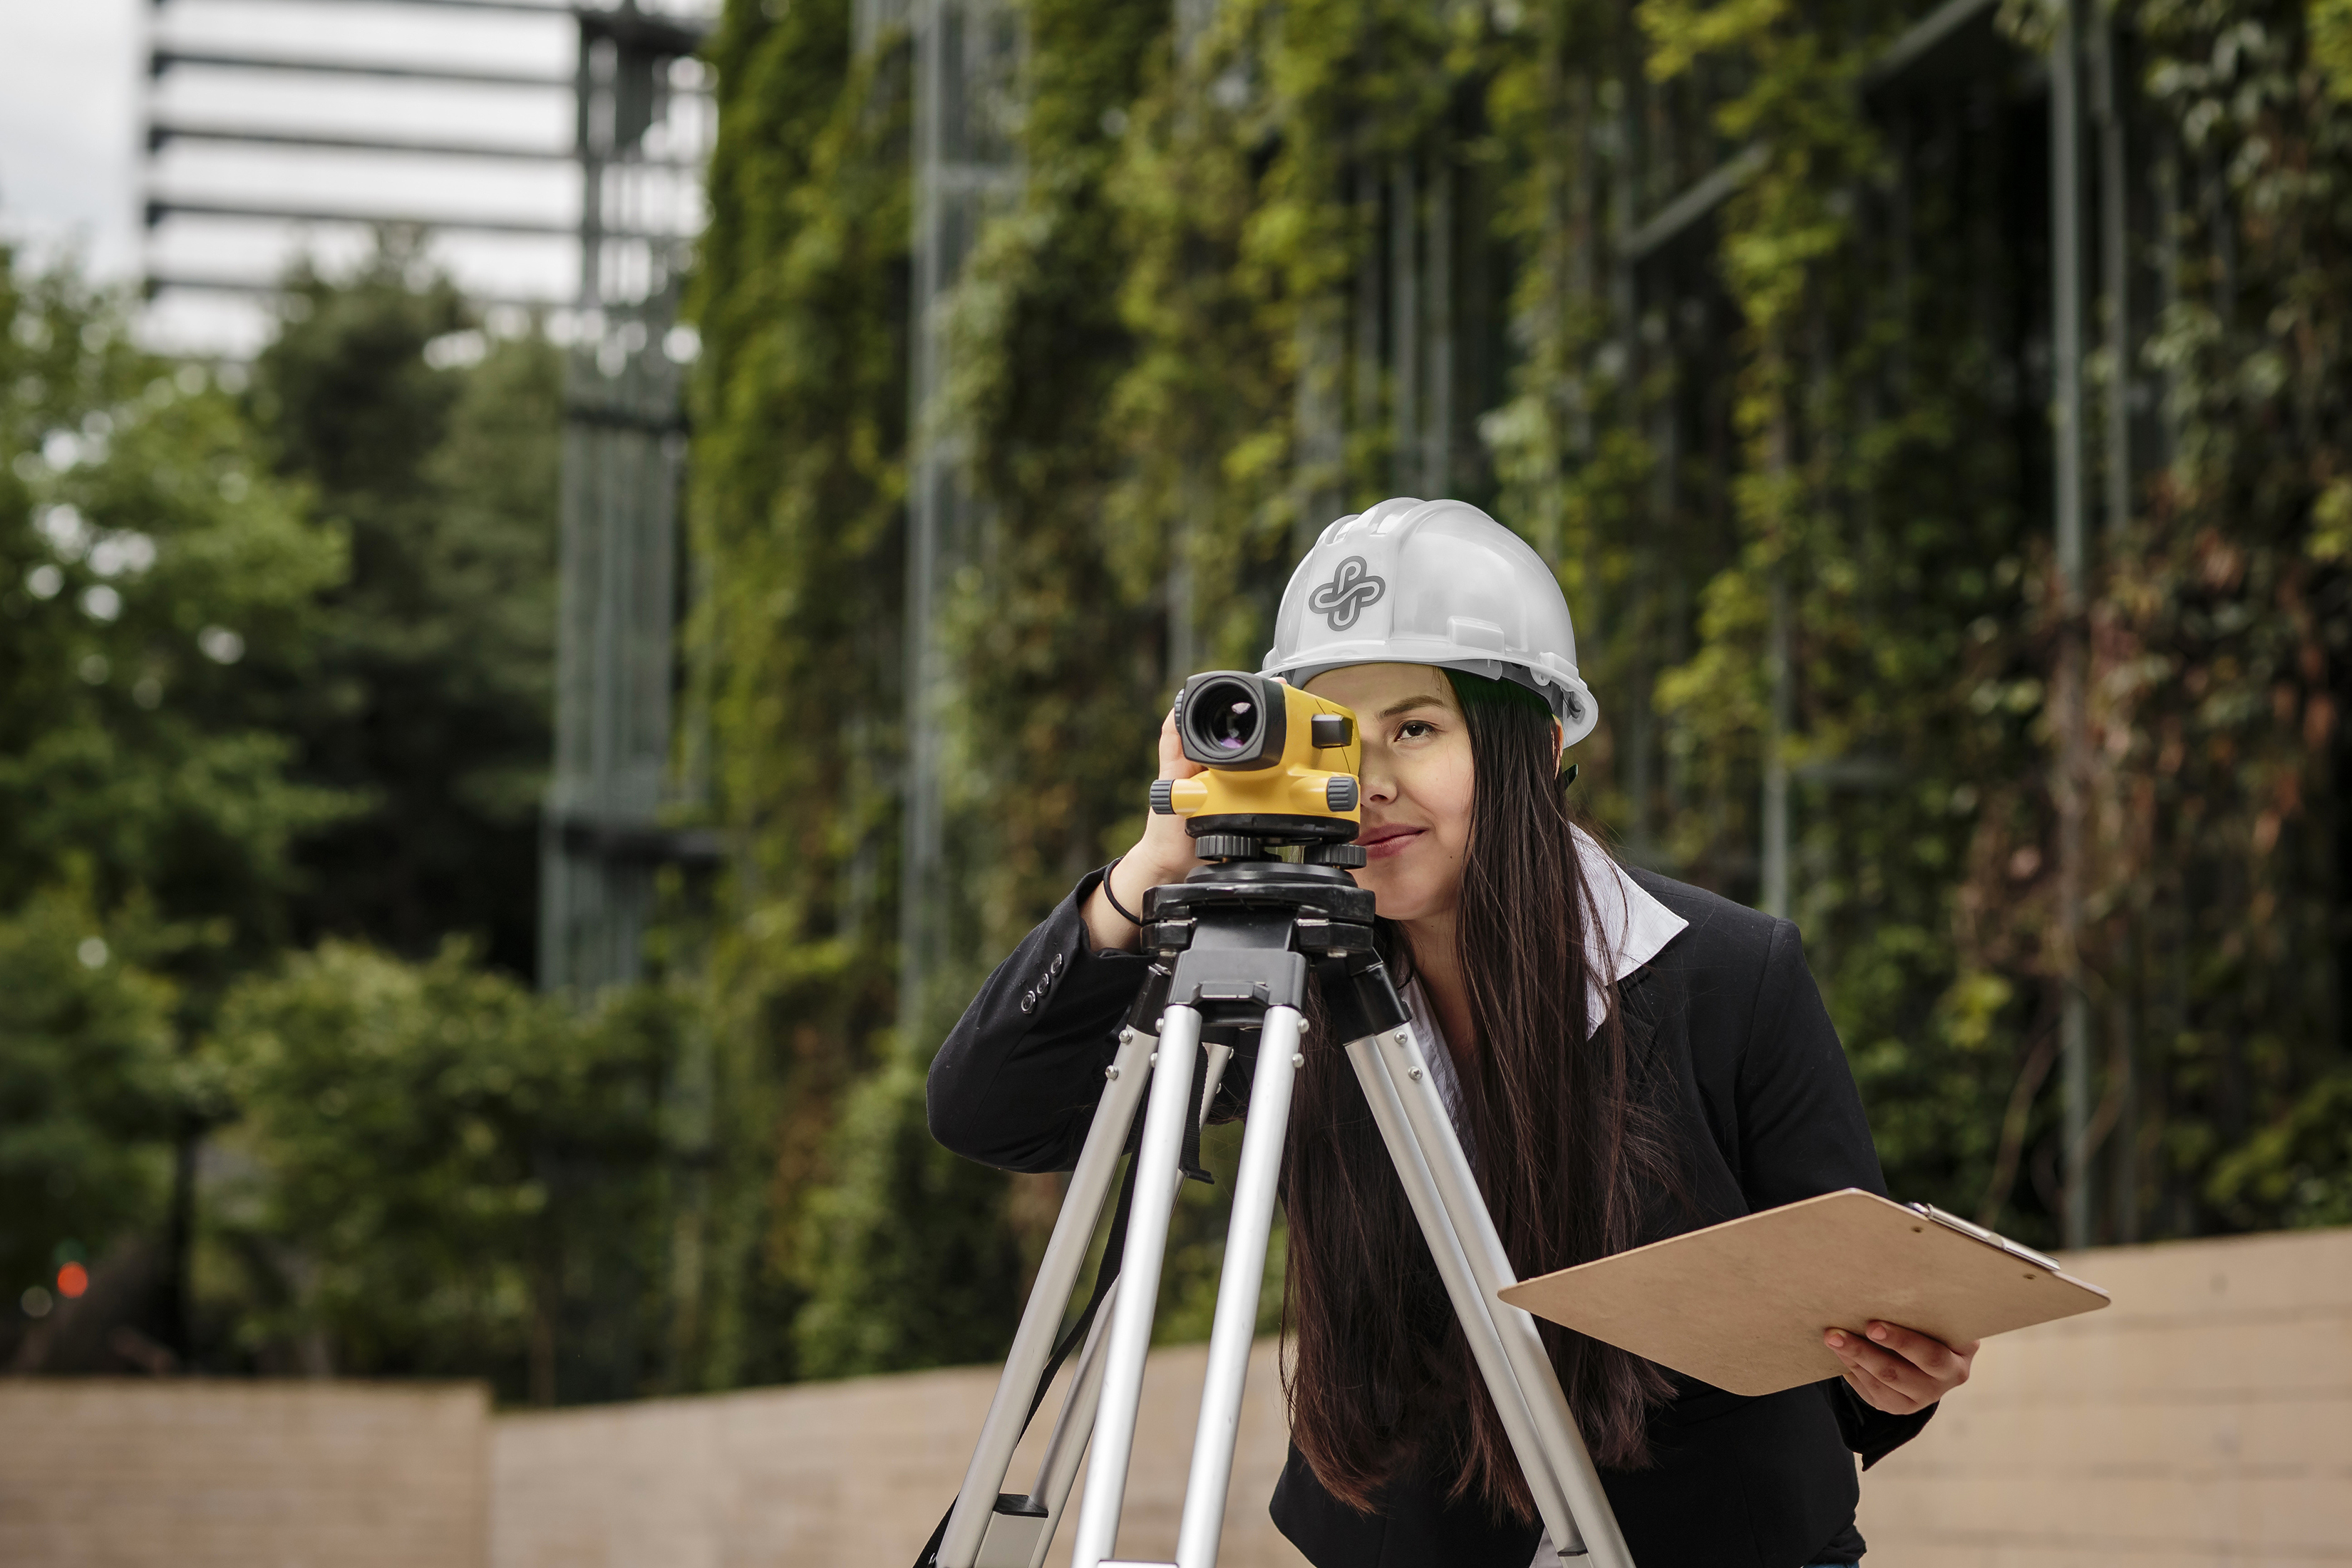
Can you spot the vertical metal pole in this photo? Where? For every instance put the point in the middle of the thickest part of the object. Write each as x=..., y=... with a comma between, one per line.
x=1170, y=1103
x=1437, y=436
x=1364, y=402
x=1210, y=1479
x=1404, y=314
x=2116, y=268
x=1318, y=417
x=1776, y=660
x=2066, y=425
x=919, y=935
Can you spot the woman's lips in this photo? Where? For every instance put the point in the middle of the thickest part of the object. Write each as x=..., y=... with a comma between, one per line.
x=1382, y=843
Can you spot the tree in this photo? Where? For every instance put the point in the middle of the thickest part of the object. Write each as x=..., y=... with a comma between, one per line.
x=158, y=592
x=446, y=1174
x=438, y=451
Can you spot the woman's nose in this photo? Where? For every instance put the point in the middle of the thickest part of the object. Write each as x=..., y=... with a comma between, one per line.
x=1378, y=783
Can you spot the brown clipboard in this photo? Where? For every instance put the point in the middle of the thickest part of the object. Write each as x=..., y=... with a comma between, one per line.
x=1742, y=1305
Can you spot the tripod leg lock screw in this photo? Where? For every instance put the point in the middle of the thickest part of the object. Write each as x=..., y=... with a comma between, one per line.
x=1111, y=1071
x=1416, y=1075
x=1298, y=1059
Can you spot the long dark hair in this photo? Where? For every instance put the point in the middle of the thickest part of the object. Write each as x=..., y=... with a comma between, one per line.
x=1565, y=1131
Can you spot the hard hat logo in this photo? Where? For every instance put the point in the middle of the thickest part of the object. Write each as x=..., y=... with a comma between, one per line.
x=1351, y=590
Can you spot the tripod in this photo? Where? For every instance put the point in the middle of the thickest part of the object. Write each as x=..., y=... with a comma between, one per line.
x=1230, y=950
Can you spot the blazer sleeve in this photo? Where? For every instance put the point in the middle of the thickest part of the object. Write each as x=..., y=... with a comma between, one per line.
x=1015, y=1084
x=1802, y=1133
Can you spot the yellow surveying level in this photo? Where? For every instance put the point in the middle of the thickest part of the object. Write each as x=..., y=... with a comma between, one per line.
x=1281, y=764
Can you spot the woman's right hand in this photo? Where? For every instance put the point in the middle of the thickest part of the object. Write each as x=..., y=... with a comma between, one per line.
x=1164, y=854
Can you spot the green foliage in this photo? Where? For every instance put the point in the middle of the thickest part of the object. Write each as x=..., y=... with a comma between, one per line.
x=449, y=1174
x=799, y=488
x=431, y=695
x=1816, y=422
x=203, y=688
x=909, y=1264
x=2298, y=1170
x=88, y=1098
x=158, y=590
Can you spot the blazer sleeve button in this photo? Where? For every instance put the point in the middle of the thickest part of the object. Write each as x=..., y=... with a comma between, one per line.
x=1029, y=1002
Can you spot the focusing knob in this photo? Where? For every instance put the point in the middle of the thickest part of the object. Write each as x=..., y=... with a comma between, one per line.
x=1225, y=846
x=1340, y=794
x=1163, y=796
x=1347, y=856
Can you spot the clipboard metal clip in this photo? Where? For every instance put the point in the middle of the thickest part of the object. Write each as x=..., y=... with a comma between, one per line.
x=1990, y=1238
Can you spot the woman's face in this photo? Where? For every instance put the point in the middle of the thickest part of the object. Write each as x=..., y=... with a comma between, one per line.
x=1417, y=782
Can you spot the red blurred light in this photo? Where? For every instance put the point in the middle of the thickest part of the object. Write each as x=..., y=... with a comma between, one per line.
x=72, y=1280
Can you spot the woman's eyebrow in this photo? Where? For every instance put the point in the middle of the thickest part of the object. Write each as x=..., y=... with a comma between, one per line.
x=1398, y=709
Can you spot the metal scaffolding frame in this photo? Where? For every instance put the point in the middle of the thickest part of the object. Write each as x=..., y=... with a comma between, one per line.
x=967, y=59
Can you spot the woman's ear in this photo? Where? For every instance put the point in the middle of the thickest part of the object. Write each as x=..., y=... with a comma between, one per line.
x=1559, y=744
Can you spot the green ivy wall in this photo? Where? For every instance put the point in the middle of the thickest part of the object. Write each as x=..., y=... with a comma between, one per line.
x=1794, y=468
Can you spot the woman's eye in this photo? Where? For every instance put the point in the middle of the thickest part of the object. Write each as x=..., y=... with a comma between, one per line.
x=1414, y=730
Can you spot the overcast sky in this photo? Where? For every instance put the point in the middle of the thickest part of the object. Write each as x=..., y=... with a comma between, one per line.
x=76, y=96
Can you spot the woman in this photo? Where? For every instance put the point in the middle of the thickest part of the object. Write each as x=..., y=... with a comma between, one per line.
x=1625, y=1058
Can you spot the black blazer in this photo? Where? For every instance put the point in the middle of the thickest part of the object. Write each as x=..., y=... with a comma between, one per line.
x=1768, y=1115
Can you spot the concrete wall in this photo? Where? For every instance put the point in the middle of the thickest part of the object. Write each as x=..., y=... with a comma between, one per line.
x=2204, y=1419
x=849, y=1473
x=120, y=1474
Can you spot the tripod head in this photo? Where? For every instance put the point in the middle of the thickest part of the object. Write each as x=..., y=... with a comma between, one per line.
x=1280, y=771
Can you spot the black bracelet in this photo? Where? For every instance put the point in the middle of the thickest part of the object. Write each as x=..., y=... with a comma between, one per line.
x=1114, y=897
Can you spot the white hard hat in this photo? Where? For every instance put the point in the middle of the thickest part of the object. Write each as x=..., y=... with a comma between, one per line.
x=1432, y=582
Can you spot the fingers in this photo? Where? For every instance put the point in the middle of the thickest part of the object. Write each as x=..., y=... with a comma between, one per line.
x=1931, y=1356
x=1899, y=1370
x=1874, y=1373
x=1173, y=763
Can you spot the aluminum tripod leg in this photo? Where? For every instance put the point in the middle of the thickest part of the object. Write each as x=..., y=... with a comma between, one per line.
x=1470, y=1306
x=1071, y=1427
x=1057, y=1273
x=1139, y=1277
x=978, y=1545
x=1209, y=1481
x=1394, y=1060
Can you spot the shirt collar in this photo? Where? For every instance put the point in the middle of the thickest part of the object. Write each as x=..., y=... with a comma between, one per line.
x=1627, y=929
x=1627, y=926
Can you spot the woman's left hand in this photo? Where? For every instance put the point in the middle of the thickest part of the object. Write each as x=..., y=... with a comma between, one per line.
x=1897, y=1371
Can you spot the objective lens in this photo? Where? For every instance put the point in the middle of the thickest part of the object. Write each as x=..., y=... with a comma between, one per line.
x=1225, y=716
x=1230, y=730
